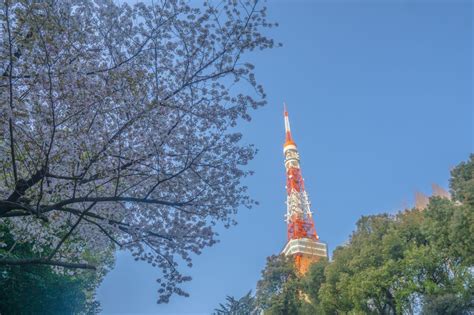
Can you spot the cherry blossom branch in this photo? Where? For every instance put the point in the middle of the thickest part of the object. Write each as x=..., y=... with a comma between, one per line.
x=137, y=52
x=122, y=128
x=10, y=90
x=55, y=250
x=104, y=231
x=40, y=261
x=113, y=199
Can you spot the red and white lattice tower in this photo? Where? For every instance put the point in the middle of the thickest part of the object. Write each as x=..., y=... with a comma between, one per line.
x=303, y=241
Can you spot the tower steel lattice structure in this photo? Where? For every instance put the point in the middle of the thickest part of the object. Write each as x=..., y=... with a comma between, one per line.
x=303, y=241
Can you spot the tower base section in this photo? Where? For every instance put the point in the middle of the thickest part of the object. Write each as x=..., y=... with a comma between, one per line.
x=306, y=251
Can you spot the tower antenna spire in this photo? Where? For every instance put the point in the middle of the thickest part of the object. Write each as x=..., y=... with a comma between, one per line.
x=303, y=241
x=288, y=137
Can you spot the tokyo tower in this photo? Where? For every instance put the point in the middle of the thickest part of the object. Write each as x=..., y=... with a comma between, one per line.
x=303, y=241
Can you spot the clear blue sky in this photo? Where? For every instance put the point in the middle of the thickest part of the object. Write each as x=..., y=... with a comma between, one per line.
x=380, y=101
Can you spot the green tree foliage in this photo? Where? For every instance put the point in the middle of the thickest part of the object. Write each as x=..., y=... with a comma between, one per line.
x=40, y=289
x=311, y=284
x=447, y=304
x=410, y=261
x=243, y=306
x=462, y=182
x=278, y=291
x=37, y=290
x=414, y=262
x=362, y=274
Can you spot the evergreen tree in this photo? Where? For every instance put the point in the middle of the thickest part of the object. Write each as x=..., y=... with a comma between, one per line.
x=40, y=289
x=243, y=306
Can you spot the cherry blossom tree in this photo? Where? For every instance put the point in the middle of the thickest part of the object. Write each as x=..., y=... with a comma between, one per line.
x=116, y=127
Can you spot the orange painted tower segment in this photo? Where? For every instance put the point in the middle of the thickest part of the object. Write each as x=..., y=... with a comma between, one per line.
x=303, y=241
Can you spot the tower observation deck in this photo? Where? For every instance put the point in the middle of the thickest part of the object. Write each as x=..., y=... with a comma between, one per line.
x=303, y=241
